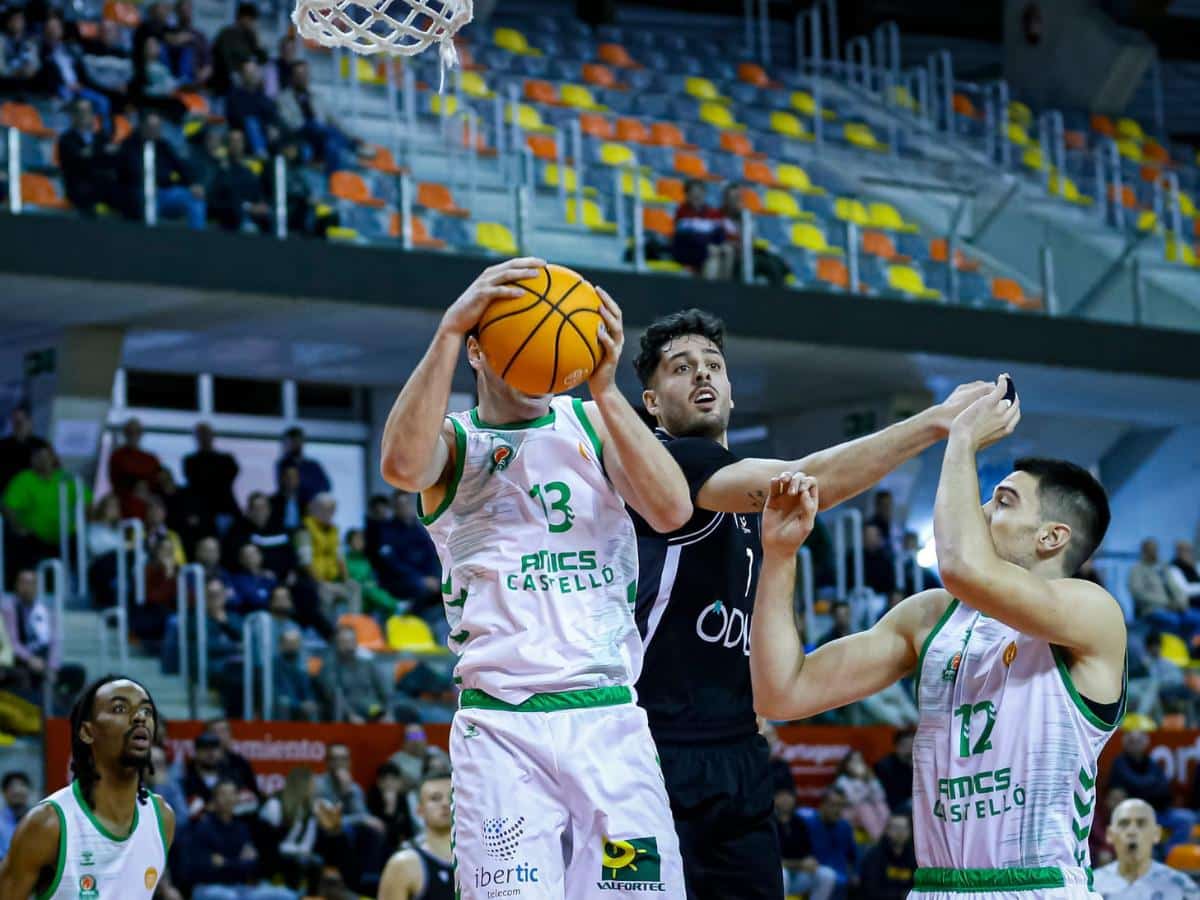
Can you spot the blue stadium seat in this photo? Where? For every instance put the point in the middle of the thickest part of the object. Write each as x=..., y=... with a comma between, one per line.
x=621, y=102
x=582, y=49
x=565, y=69
x=495, y=58
x=453, y=231
x=973, y=287
x=742, y=94
x=912, y=245
x=531, y=65
x=656, y=106
x=658, y=61
x=610, y=33
x=718, y=68
x=686, y=109
x=937, y=276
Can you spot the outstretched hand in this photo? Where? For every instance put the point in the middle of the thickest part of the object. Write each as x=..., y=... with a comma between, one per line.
x=494, y=283
x=790, y=513
x=611, y=335
x=989, y=419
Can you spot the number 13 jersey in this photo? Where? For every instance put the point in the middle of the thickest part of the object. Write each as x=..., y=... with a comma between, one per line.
x=1005, y=757
x=539, y=558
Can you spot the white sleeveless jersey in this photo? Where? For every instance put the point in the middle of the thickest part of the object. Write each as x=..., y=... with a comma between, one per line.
x=1159, y=883
x=1005, y=756
x=93, y=863
x=539, y=559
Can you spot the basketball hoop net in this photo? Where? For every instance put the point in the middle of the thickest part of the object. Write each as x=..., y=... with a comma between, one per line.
x=400, y=27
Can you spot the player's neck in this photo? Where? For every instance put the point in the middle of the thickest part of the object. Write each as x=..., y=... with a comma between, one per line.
x=438, y=843
x=1133, y=869
x=500, y=410
x=722, y=438
x=114, y=799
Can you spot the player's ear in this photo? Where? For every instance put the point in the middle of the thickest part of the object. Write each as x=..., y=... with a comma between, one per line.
x=1053, y=537
x=650, y=401
x=474, y=352
x=85, y=733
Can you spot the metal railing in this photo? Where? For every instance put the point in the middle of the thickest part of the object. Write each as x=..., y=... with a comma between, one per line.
x=52, y=571
x=119, y=615
x=72, y=517
x=807, y=601
x=193, y=573
x=852, y=519
x=13, y=137
x=257, y=625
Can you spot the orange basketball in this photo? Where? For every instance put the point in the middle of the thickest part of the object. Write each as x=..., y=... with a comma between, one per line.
x=545, y=341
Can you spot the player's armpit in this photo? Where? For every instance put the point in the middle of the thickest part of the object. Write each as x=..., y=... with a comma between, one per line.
x=34, y=849
x=402, y=877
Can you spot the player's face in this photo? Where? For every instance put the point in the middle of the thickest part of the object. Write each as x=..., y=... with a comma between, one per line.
x=500, y=392
x=434, y=806
x=1014, y=518
x=689, y=393
x=121, y=728
x=1133, y=831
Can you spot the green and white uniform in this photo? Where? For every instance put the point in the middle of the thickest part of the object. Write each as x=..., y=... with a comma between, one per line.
x=95, y=864
x=1159, y=883
x=1004, y=763
x=539, y=559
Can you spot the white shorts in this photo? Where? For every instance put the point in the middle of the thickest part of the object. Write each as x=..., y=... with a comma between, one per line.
x=1003, y=884
x=560, y=797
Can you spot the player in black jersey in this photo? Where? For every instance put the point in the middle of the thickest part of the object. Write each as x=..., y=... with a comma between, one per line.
x=424, y=870
x=695, y=596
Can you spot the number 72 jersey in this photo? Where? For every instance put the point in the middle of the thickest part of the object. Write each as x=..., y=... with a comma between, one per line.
x=539, y=558
x=1005, y=757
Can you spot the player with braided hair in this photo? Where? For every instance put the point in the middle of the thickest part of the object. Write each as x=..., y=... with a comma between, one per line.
x=105, y=834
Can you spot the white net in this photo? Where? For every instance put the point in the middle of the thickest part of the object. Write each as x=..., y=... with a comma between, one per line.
x=400, y=27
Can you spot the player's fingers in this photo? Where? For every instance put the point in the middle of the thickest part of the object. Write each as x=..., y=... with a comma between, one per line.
x=499, y=291
x=508, y=275
x=607, y=301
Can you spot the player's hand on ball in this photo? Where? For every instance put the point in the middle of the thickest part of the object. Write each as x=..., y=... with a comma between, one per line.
x=989, y=419
x=960, y=398
x=612, y=338
x=494, y=283
x=791, y=510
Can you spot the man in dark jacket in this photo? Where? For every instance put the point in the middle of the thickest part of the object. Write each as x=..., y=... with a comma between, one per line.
x=895, y=772
x=1137, y=774
x=234, y=45
x=295, y=694
x=250, y=110
x=210, y=474
x=179, y=196
x=400, y=550
x=219, y=849
x=85, y=156
x=887, y=870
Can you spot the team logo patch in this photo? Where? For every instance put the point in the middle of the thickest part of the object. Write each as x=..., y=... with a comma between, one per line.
x=502, y=837
x=951, y=671
x=87, y=887
x=87, y=858
x=502, y=455
x=150, y=878
x=1010, y=653
x=636, y=859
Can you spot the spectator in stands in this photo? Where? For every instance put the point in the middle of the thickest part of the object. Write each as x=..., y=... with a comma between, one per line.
x=277, y=74
x=882, y=512
x=188, y=52
x=210, y=473
x=149, y=620
x=16, y=803
x=866, y=801
x=35, y=640
x=224, y=646
x=879, y=569
x=235, y=44
x=417, y=756
x=132, y=470
x=895, y=772
x=19, y=57
x=338, y=786
x=210, y=764
x=1153, y=679
x=179, y=195
x=253, y=583
x=301, y=113
x=62, y=72
x=104, y=542
x=402, y=553
x=313, y=479
x=208, y=554
x=31, y=510
x=163, y=781
x=387, y=800
x=156, y=529
x=249, y=109
x=295, y=693
x=888, y=868
x=1156, y=596
x=156, y=22
x=301, y=214
x=185, y=514
x=802, y=873
x=376, y=601
x=152, y=85
x=287, y=512
x=257, y=528
x=16, y=449
x=237, y=202
x=833, y=839
x=699, y=241
x=297, y=843
x=768, y=265
x=1183, y=572
x=351, y=684
x=910, y=547
x=221, y=858
x=321, y=550
x=86, y=159
x=1137, y=774
x=238, y=765
x=282, y=612
x=841, y=623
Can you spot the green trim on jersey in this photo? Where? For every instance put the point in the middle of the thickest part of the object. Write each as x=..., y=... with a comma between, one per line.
x=460, y=460
x=512, y=426
x=61, y=864
x=577, y=405
x=162, y=829
x=938, y=626
x=979, y=881
x=87, y=811
x=1080, y=704
x=539, y=703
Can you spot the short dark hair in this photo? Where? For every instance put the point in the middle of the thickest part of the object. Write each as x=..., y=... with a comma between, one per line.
x=1070, y=494
x=10, y=777
x=294, y=431
x=247, y=10
x=667, y=328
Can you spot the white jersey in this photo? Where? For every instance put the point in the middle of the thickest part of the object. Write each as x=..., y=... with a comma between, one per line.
x=1159, y=883
x=1005, y=756
x=93, y=863
x=539, y=558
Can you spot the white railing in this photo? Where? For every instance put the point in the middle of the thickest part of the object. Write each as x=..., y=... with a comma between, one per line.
x=257, y=625
x=808, y=597
x=72, y=516
x=852, y=519
x=193, y=573
x=118, y=616
x=14, y=170
x=52, y=570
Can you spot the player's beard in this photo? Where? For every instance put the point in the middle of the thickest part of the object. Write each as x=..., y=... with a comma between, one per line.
x=709, y=425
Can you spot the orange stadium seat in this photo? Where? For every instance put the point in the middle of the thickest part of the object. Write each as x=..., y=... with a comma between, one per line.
x=38, y=190
x=672, y=189
x=879, y=243
x=632, y=131
x=437, y=197
x=366, y=629
x=659, y=221
x=122, y=13
x=543, y=146
x=1184, y=857
x=122, y=128
x=1102, y=124
x=668, y=134
x=24, y=118
x=736, y=143
x=753, y=73
x=537, y=91
x=833, y=271
x=1128, y=197
x=752, y=202
x=597, y=126
x=351, y=187
x=939, y=251
x=758, y=172
x=383, y=161
x=1009, y=290
x=964, y=107
x=1075, y=140
x=420, y=234
x=1155, y=152
x=196, y=104
x=693, y=166
x=599, y=75
x=616, y=55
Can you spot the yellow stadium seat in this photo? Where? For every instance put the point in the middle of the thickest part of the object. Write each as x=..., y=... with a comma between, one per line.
x=645, y=188
x=1020, y=113
x=617, y=155
x=1130, y=129
x=809, y=237
x=789, y=126
x=860, y=135
x=1130, y=150
x=443, y=104
x=1187, y=206
x=593, y=218
x=668, y=266
x=781, y=203
x=902, y=97
x=496, y=237
x=578, y=97
x=366, y=71
x=1064, y=187
x=342, y=235
x=1032, y=158
x=474, y=85
x=795, y=178
x=528, y=118
x=1018, y=135
x=718, y=115
x=1138, y=722
x=513, y=41
x=887, y=217
x=1175, y=649
x=409, y=633
x=1180, y=251
x=907, y=280
x=850, y=210
x=1147, y=220
x=803, y=102
x=701, y=88
x=550, y=179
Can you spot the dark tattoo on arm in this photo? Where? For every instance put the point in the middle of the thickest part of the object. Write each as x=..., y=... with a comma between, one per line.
x=758, y=499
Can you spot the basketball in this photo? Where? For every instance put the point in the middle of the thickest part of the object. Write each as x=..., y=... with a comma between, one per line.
x=545, y=341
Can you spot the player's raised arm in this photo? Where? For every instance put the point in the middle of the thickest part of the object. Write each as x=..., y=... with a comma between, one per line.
x=1037, y=597
x=845, y=470
x=641, y=469
x=34, y=850
x=414, y=456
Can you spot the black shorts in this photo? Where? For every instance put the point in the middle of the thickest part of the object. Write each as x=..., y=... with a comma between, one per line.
x=723, y=803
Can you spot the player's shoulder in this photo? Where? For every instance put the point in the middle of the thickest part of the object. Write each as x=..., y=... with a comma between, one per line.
x=403, y=869
x=166, y=816
x=1164, y=874
x=39, y=831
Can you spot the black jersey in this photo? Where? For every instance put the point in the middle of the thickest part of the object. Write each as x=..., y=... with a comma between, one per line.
x=694, y=596
x=439, y=876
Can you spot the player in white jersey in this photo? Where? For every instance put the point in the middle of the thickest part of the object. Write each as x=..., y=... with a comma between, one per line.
x=104, y=836
x=1020, y=667
x=557, y=790
x=1134, y=875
